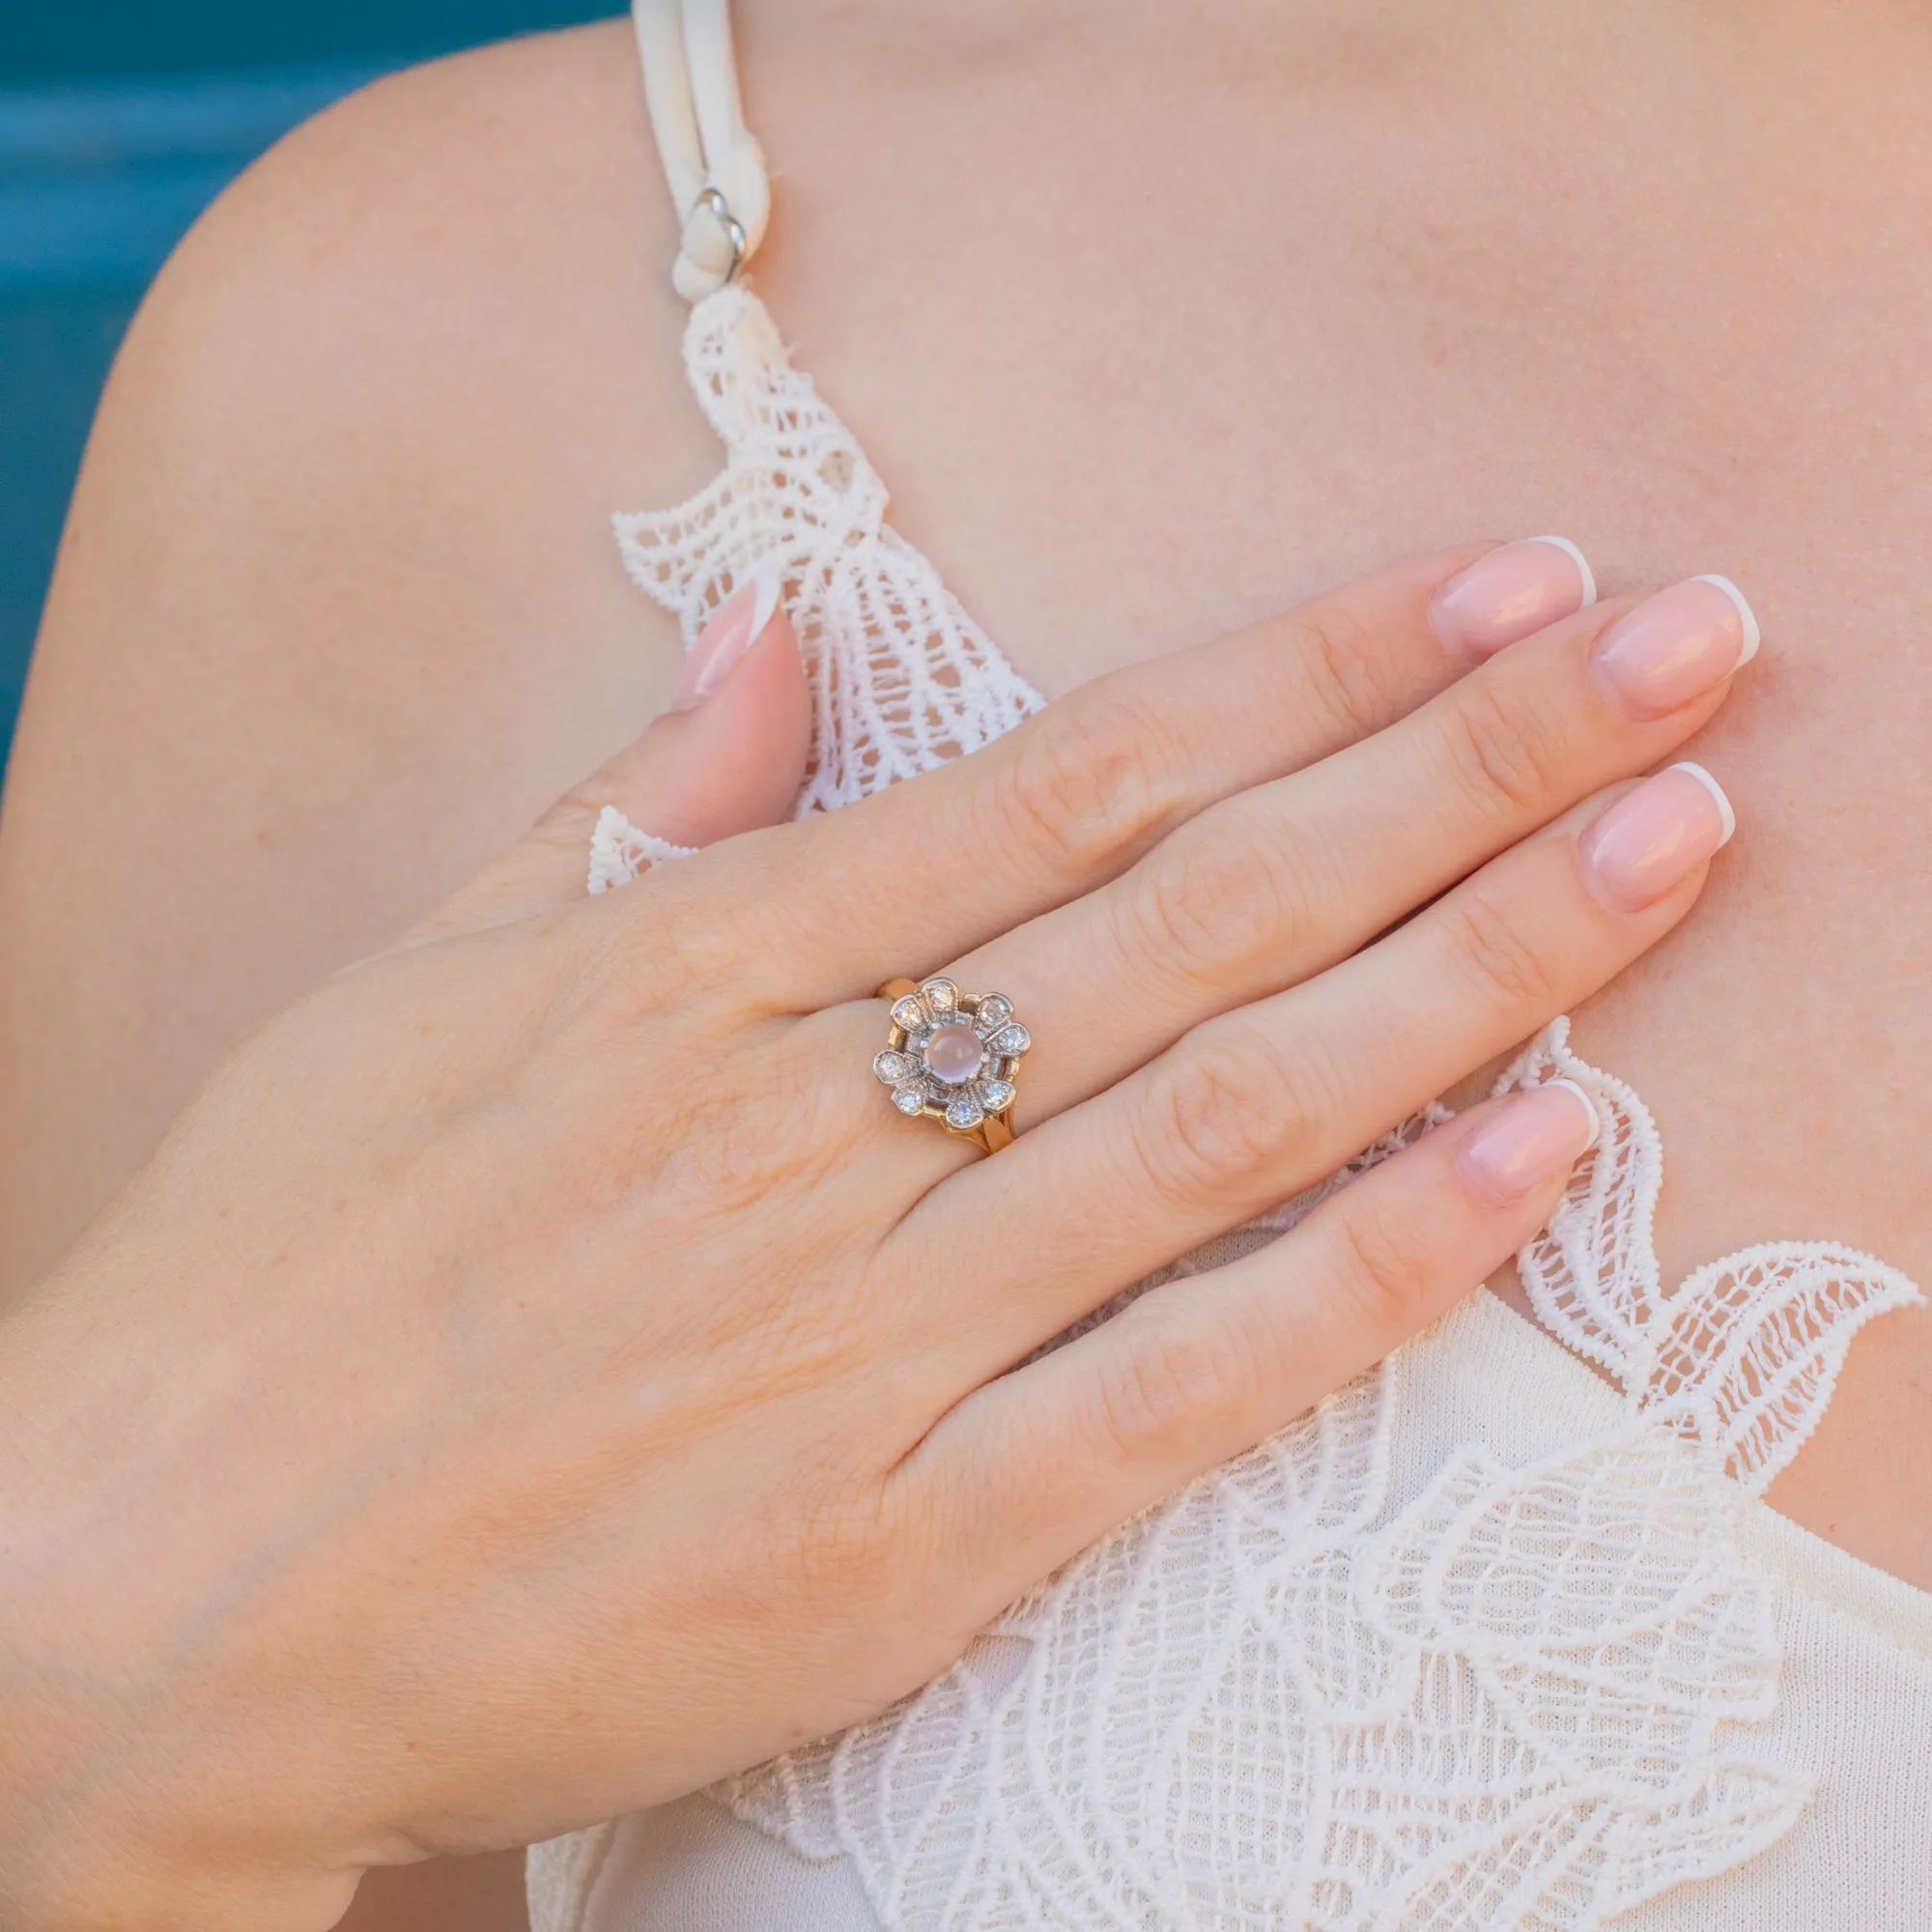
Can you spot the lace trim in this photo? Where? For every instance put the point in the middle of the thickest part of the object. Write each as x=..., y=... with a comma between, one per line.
x=1743, y=1358
x=620, y=853
x=1522, y=1698
x=902, y=679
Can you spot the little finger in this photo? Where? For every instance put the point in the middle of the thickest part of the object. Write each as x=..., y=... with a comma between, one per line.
x=1036, y=1465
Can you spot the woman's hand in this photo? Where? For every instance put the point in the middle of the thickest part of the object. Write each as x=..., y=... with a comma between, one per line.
x=540, y=1372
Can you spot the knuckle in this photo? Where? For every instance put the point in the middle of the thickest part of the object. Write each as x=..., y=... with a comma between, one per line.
x=668, y=937
x=772, y=1130
x=1350, y=680
x=809, y=1330
x=566, y=826
x=1508, y=756
x=1200, y=908
x=1510, y=968
x=1155, y=1389
x=1220, y=1109
x=642, y=969
x=845, y=1546
x=732, y=1130
x=1388, y=1263
x=1099, y=771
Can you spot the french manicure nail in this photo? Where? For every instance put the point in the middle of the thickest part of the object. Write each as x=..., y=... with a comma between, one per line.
x=1674, y=646
x=1656, y=837
x=1531, y=1136
x=737, y=624
x=1511, y=594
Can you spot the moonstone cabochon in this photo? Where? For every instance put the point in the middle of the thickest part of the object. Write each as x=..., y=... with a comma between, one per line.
x=953, y=1053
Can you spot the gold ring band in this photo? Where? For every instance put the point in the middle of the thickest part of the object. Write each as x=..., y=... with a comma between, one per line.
x=952, y=1056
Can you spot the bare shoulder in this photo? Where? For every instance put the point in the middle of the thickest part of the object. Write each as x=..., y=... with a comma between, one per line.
x=337, y=610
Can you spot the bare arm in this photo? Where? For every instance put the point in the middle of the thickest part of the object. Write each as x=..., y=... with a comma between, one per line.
x=336, y=610
x=336, y=613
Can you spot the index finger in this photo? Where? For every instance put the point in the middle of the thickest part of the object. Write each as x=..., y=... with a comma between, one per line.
x=923, y=873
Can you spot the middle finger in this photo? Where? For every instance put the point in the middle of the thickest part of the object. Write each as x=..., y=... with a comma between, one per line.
x=1267, y=888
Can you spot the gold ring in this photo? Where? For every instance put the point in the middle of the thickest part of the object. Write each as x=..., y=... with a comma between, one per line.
x=952, y=1056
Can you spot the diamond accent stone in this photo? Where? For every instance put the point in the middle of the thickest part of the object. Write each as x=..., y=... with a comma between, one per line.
x=995, y=1094
x=941, y=996
x=995, y=1011
x=964, y=1113
x=908, y=1013
x=910, y=1099
x=953, y=1053
x=1010, y=1041
x=893, y=1068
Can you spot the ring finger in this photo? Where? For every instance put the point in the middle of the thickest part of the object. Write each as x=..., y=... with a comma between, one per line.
x=1257, y=1104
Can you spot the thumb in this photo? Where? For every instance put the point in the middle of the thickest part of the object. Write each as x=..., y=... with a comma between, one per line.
x=728, y=757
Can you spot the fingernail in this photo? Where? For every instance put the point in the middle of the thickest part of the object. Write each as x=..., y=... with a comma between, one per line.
x=1674, y=646
x=737, y=624
x=1511, y=594
x=1529, y=1137
x=1656, y=837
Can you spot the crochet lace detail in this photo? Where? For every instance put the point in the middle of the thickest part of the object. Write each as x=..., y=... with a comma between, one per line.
x=1525, y=1698
x=620, y=853
x=901, y=677
x=1742, y=1359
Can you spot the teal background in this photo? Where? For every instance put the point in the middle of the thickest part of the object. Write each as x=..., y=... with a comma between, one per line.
x=119, y=123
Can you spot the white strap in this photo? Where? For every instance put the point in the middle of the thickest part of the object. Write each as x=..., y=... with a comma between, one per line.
x=716, y=170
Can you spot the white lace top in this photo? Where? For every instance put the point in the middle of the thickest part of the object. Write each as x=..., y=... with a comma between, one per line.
x=1482, y=1642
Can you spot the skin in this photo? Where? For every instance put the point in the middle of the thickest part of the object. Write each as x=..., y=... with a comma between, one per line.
x=450, y=1375
x=1224, y=319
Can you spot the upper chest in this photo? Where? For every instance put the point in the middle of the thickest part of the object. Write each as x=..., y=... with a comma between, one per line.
x=1144, y=346
x=1146, y=354
x=1146, y=350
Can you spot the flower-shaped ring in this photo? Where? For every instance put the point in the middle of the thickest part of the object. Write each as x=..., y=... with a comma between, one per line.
x=952, y=1056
